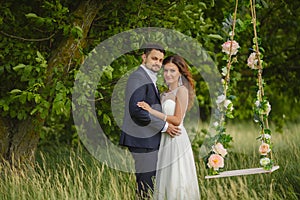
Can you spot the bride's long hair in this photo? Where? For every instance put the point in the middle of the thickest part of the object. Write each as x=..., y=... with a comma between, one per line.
x=186, y=76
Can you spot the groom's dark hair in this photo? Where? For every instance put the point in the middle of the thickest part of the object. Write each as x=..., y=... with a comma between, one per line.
x=149, y=47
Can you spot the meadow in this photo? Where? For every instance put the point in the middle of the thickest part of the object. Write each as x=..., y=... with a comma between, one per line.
x=71, y=174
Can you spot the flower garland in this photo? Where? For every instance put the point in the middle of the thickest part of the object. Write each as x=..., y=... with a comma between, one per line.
x=219, y=143
x=262, y=106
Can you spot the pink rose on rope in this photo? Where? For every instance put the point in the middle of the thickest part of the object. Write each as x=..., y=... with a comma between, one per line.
x=252, y=61
x=219, y=149
x=234, y=47
x=264, y=149
x=215, y=161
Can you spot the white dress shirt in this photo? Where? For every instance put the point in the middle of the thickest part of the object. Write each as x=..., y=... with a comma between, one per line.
x=153, y=77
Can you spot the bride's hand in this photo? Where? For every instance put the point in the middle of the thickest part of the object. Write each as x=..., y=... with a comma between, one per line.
x=144, y=105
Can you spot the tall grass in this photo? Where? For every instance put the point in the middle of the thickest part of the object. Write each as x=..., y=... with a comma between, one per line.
x=75, y=174
x=281, y=184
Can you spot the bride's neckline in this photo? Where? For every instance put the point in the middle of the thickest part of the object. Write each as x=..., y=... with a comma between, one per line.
x=172, y=90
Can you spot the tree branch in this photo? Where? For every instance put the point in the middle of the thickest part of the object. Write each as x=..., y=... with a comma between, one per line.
x=26, y=39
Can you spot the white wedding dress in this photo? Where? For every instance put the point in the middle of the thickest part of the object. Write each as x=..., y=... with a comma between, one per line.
x=176, y=177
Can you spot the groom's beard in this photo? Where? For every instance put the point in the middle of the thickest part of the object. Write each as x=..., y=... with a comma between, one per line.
x=153, y=68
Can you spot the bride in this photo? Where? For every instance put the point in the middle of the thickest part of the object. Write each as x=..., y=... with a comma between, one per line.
x=176, y=176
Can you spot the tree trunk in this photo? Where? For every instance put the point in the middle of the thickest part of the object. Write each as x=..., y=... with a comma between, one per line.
x=68, y=54
x=19, y=138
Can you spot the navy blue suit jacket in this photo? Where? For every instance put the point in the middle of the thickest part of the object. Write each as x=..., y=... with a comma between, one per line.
x=140, y=129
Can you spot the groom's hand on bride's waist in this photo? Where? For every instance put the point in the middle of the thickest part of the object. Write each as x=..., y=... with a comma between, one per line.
x=173, y=130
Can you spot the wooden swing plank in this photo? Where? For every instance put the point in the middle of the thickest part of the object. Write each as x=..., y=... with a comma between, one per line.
x=241, y=172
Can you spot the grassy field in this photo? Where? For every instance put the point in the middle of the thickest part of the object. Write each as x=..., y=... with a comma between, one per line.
x=74, y=174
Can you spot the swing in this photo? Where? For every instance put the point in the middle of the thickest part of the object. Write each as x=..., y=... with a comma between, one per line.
x=225, y=106
x=241, y=172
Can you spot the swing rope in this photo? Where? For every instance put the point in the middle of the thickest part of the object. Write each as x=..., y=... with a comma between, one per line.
x=262, y=107
x=229, y=63
x=260, y=96
x=219, y=143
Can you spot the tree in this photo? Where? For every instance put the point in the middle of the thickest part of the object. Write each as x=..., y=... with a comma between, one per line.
x=43, y=43
x=39, y=86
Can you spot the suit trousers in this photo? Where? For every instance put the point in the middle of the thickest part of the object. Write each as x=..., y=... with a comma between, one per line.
x=145, y=168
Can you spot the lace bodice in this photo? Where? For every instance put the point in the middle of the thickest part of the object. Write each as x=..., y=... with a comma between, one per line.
x=169, y=102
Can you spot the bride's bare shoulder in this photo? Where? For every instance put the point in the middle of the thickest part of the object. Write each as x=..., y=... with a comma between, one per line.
x=182, y=90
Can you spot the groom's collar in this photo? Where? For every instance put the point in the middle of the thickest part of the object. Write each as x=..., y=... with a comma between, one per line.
x=150, y=73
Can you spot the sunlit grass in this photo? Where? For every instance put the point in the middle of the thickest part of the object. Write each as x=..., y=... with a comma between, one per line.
x=281, y=184
x=75, y=174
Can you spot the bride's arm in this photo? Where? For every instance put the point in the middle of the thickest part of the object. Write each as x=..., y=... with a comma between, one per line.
x=181, y=105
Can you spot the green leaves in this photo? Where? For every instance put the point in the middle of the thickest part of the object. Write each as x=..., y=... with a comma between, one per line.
x=40, y=21
x=225, y=139
x=30, y=73
x=77, y=32
x=23, y=63
x=15, y=91
x=26, y=99
x=31, y=15
x=215, y=36
x=107, y=72
x=4, y=105
x=106, y=119
x=19, y=66
x=21, y=98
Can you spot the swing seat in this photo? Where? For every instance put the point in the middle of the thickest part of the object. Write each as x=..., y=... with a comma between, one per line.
x=242, y=172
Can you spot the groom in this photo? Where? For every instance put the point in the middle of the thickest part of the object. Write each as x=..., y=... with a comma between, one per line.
x=141, y=132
